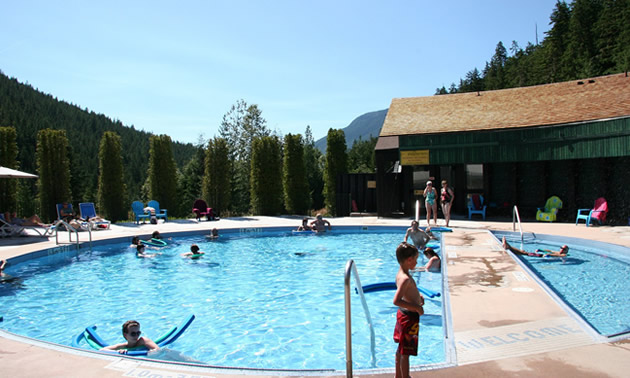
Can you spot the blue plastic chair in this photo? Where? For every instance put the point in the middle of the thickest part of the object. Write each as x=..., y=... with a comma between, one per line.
x=472, y=209
x=138, y=211
x=159, y=213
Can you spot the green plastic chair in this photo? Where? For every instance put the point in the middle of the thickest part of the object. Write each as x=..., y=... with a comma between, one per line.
x=548, y=213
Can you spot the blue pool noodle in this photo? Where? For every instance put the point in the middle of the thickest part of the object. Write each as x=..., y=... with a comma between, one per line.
x=392, y=286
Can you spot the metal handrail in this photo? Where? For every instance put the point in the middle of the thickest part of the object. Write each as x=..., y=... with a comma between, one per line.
x=350, y=268
x=516, y=217
x=70, y=229
x=417, y=210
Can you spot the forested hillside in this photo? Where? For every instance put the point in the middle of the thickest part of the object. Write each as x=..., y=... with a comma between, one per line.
x=587, y=38
x=28, y=111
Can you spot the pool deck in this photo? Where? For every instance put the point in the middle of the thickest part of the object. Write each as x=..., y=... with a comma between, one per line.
x=504, y=323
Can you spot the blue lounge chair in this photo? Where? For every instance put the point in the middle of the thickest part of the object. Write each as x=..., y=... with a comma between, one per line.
x=88, y=212
x=83, y=224
x=159, y=213
x=138, y=211
x=476, y=206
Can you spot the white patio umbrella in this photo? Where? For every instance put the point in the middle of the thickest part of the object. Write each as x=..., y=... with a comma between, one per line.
x=12, y=173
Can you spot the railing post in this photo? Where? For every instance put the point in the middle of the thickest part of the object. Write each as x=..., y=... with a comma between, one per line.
x=348, y=318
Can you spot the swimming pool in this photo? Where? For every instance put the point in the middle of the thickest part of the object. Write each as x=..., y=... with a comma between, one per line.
x=262, y=300
x=592, y=280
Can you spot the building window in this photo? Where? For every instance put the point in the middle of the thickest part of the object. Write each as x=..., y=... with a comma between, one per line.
x=420, y=179
x=474, y=176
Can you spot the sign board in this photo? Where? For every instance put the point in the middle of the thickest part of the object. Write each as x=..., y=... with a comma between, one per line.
x=371, y=184
x=415, y=157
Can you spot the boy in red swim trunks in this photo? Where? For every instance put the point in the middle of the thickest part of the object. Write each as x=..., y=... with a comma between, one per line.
x=410, y=302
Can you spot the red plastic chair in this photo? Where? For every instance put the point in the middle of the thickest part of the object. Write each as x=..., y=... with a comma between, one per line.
x=599, y=212
x=200, y=209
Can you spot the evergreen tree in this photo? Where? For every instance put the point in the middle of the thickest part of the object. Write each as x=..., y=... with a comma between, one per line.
x=266, y=175
x=336, y=163
x=53, y=168
x=556, y=42
x=297, y=197
x=494, y=73
x=580, y=57
x=8, y=159
x=240, y=126
x=361, y=156
x=112, y=201
x=190, y=181
x=162, y=174
x=314, y=163
x=217, y=176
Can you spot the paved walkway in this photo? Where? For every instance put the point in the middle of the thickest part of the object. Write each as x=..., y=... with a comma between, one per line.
x=504, y=323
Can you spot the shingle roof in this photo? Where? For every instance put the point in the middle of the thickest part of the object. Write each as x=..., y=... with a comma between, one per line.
x=550, y=104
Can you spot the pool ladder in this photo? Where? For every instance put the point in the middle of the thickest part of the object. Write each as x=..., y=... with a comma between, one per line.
x=352, y=268
x=516, y=217
x=70, y=230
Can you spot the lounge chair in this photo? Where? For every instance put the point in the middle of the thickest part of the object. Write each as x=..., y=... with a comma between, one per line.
x=476, y=206
x=83, y=225
x=7, y=229
x=138, y=211
x=88, y=212
x=201, y=209
x=159, y=213
x=548, y=213
x=599, y=212
x=10, y=229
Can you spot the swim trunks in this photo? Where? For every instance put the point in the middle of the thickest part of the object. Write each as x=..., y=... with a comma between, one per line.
x=406, y=332
x=532, y=254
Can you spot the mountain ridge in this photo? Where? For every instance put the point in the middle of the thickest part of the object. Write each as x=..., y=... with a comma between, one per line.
x=363, y=127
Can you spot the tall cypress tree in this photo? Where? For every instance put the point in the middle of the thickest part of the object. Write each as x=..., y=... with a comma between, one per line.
x=162, y=173
x=266, y=174
x=8, y=158
x=53, y=167
x=216, y=187
x=336, y=163
x=297, y=197
x=314, y=163
x=111, y=196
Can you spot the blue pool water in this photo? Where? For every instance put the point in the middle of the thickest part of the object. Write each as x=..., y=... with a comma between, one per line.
x=592, y=280
x=261, y=300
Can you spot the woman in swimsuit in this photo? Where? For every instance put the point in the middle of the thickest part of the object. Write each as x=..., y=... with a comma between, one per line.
x=430, y=194
x=446, y=200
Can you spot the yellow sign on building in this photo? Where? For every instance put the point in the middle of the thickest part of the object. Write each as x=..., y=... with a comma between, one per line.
x=416, y=157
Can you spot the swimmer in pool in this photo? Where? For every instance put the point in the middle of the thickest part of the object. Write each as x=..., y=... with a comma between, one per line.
x=194, y=252
x=135, y=241
x=214, y=234
x=140, y=251
x=564, y=250
x=434, y=263
x=131, y=332
x=319, y=224
x=419, y=237
x=304, y=226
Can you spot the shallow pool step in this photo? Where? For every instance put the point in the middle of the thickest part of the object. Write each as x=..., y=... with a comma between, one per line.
x=519, y=340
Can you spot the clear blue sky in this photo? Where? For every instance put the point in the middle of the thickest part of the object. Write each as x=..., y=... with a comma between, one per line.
x=177, y=67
